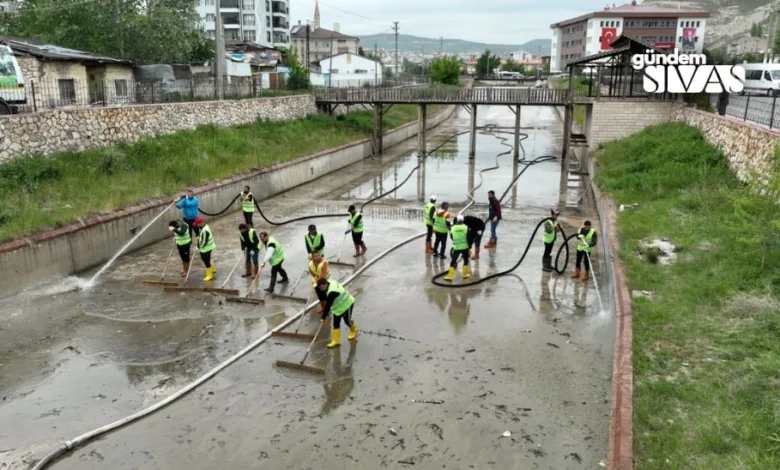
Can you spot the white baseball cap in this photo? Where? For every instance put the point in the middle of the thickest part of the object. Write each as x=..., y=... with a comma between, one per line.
x=460, y=218
x=433, y=198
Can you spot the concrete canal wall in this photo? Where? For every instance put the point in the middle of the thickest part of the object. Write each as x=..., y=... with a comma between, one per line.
x=91, y=242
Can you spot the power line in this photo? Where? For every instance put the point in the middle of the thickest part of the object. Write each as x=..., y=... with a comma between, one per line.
x=46, y=8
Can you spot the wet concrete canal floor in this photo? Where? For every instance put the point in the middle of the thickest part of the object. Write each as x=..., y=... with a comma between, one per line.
x=529, y=353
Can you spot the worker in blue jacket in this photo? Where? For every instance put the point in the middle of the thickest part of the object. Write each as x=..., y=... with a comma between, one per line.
x=189, y=207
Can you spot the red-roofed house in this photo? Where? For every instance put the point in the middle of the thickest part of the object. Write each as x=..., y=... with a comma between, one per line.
x=664, y=28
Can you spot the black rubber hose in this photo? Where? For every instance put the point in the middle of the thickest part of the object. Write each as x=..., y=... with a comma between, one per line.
x=216, y=214
x=345, y=214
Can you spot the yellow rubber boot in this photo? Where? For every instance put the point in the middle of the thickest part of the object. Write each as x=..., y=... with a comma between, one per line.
x=450, y=274
x=353, y=331
x=209, y=274
x=465, y=272
x=336, y=341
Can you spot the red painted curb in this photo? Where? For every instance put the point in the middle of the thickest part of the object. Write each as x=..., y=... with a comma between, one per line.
x=621, y=437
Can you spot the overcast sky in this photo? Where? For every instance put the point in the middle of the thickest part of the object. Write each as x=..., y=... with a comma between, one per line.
x=489, y=21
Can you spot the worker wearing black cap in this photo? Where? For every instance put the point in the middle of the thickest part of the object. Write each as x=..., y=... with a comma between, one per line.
x=476, y=229
x=356, y=227
x=314, y=241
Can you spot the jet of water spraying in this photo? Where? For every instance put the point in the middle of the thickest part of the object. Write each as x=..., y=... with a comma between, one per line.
x=91, y=282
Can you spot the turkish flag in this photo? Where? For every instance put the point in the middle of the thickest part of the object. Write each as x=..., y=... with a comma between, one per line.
x=607, y=36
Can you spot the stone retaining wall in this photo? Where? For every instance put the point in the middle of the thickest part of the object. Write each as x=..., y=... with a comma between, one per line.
x=91, y=242
x=58, y=130
x=748, y=147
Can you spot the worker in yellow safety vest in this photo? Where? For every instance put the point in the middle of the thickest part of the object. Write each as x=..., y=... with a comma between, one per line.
x=551, y=229
x=428, y=214
x=587, y=240
x=274, y=253
x=183, y=241
x=460, y=248
x=206, y=245
x=315, y=241
x=247, y=205
x=441, y=226
x=340, y=303
x=356, y=227
x=319, y=269
x=250, y=245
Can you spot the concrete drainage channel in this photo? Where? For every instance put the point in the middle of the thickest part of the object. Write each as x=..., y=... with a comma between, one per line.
x=393, y=365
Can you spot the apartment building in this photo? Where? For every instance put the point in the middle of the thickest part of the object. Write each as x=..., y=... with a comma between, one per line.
x=265, y=22
x=320, y=42
x=663, y=28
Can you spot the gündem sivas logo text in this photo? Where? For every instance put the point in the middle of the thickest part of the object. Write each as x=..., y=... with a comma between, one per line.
x=686, y=73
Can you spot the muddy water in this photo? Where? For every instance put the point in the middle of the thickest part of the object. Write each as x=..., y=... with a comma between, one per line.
x=529, y=353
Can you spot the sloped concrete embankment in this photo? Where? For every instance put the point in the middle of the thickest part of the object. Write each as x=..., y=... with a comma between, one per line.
x=620, y=455
x=92, y=241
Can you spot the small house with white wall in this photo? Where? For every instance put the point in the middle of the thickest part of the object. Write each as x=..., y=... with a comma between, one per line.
x=350, y=70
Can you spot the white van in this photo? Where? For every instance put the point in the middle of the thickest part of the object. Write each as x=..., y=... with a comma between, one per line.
x=11, y=82
x=764, y=78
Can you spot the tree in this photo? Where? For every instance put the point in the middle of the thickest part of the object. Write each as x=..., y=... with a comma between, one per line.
x=299, y=74
x=486, y=63
x=776, y=44
x=160, y=31
x=756, y=30
x=445, y=70
x=361, y=52
x=512, y=66
x=546, y=67
x=410, y=68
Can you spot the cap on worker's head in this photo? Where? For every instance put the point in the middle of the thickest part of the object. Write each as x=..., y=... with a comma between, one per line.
x=351, y=208
x=312, y=228
x=459, y=218
x=433, y=198
x=243, y=227
x=554, y=212
x=173, y=223
x=198, y=221
x=587, y=222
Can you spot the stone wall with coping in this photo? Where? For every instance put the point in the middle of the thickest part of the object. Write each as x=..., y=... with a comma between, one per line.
x=52, y=131
x=615, y=119
x=749, y=148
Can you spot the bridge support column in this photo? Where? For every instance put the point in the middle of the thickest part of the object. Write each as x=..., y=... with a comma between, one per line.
x=378, y=131
x=567, y=120
x=422, y=111
x=516, y=152
x=473, y=134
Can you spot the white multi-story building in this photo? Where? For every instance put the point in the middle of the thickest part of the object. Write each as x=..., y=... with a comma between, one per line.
x=265, y=22
x=663, y=28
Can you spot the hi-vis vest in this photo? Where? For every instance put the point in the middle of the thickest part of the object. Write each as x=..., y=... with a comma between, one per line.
x=181, y=235
x=252, y=240
x=440, y=222
x=584, y=245
x=343, y=301
x=359, y=227
x=427, y=219
x=278, y=255
x=549, y=237
x=313, y=244
x=248, y=205
x=315, y=271
x=459, y=234
x=206, y=240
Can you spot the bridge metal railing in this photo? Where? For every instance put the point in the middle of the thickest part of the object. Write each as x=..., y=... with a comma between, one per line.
x=442, y=95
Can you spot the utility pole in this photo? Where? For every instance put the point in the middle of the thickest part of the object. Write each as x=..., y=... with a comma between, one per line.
x=219, y=62
x=308, y=35
x=423, y=58
x=330, y=62
x=770, y=35
x=441, y=45
x=376, y=65
x=395, y=30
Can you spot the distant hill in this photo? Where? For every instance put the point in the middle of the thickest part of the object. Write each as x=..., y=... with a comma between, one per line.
x=409, y=43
